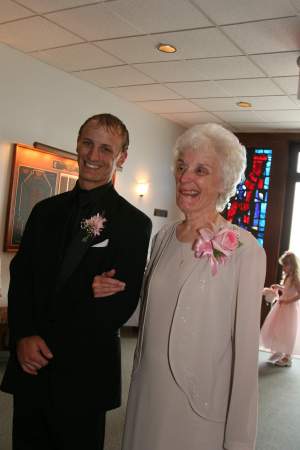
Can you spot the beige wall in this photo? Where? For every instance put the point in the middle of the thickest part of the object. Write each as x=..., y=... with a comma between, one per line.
x=41, y=103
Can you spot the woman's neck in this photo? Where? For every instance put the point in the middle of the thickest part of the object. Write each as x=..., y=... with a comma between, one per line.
x=187, y=229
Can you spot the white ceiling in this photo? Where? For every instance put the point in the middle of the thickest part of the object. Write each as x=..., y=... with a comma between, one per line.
x=227, y=51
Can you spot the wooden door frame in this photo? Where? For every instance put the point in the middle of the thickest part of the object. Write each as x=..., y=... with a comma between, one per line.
x=292, y=178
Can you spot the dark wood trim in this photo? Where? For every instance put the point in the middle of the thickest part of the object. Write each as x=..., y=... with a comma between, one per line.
x=276, y=223
x=292, y=178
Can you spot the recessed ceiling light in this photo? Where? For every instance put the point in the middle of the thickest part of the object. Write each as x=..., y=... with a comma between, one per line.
x=244, y=104
x=166, y=48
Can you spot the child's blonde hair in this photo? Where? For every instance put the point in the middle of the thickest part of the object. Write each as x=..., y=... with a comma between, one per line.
x=290, y=258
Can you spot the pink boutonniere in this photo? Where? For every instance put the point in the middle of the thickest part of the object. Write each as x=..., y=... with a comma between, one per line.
x=216, y=246
x=93, y=226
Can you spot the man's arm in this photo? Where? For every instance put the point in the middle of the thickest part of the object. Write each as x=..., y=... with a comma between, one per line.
x=31, y=350
x=20, y=294
x=117, y=290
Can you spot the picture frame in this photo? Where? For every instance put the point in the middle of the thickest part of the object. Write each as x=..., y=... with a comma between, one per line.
x=37, y=172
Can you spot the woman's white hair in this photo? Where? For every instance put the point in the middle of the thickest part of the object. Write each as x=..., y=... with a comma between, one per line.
x=231, y=152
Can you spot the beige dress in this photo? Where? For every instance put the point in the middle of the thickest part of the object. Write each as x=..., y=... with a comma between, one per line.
x=159, y=416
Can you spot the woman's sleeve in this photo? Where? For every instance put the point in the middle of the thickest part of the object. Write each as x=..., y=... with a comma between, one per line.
x=240, y=432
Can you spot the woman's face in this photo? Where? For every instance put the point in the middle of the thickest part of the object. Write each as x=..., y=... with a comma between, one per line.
x=198, y=180
x=287, y=268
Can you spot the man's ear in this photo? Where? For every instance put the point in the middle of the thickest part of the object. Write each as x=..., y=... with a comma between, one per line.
x=122, y=158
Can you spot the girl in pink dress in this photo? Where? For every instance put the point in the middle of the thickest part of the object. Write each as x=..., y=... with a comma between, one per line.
x=279, y=330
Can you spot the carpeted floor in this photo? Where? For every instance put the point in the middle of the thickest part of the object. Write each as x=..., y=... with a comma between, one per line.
x=279, y=408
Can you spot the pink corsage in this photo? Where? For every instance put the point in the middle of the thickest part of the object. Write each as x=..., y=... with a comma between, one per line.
x=93, y=226
x=216, y=246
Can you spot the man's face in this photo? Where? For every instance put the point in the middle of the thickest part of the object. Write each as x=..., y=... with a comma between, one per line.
x=99, y=154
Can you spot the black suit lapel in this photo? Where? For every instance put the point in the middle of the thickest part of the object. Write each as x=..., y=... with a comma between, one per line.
x=73, y=255
x=107, y=206
x=63, y=220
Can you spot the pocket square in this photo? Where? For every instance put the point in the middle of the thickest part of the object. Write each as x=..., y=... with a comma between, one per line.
x=101, y=244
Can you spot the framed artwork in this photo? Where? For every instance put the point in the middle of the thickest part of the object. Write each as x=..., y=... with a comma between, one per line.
x=37, y=172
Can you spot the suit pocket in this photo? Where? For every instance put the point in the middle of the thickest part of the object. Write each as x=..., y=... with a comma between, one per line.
x=101, y=244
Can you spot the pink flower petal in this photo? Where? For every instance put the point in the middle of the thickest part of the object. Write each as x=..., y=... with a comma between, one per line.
x=216, y=245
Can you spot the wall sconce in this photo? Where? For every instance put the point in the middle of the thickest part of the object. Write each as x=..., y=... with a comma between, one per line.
x=142, y=188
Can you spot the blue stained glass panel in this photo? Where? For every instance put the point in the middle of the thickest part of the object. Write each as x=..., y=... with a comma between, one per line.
x=249, y=206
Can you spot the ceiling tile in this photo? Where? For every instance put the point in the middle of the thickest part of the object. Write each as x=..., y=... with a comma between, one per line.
x=270, y=102
x=249, y=56
x=288, y=84
x=278, y=64
x=167, y=106
x=201, y=43
x=93, y=22
x=134, y=49
x=217, y=104
x=198, y=89
x=296, y=4
x=171, y=71
x=202, y=69
x=239, y=116
x=267, y=127
x=77, y=57
x=12, y=11
x=233, y=11
x=144, y=48
x=249, y=87
x=280, y=116
x=40, y=34
x=267, y=36
x=42, y=6
x=145, y=92
x=115, y=76
x=160, y=15
x=188, y=119
x=225, y=68
x=193, y=118
x=176, y=118
x=295, y=99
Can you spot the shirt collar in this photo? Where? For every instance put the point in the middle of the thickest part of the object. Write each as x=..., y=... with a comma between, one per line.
x=90, y=197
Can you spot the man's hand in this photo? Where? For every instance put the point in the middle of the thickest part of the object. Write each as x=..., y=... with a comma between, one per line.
x=104, y=285
x=33, y=354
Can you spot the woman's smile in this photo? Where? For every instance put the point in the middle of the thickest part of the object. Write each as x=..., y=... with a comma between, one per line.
x=198, y=180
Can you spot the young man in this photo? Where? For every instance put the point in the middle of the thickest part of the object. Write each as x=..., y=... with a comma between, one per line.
x=74, y=282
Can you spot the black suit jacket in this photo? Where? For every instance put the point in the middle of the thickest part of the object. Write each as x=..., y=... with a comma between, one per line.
x=50, y=295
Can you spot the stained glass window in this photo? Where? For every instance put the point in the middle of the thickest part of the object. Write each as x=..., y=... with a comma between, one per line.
x=249, y=206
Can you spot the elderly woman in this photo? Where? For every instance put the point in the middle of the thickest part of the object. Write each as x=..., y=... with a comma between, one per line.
x=194, y=381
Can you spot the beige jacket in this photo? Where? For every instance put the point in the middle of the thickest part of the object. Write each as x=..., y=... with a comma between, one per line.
x=214, y=336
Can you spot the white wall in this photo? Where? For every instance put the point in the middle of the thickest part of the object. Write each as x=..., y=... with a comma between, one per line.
x=41, y=103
